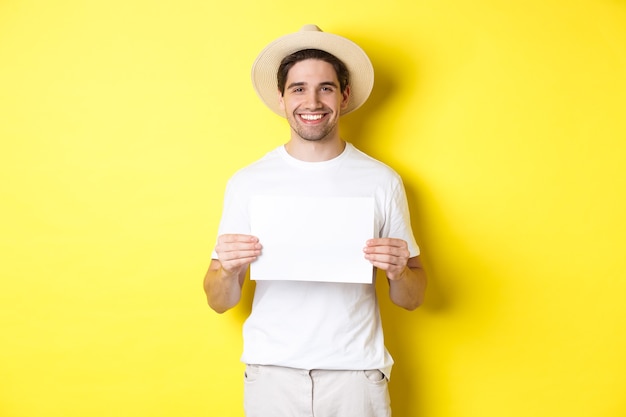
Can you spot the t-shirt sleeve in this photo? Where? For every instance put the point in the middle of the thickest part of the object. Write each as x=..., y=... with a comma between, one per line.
x=398, y=222
x=235, y=218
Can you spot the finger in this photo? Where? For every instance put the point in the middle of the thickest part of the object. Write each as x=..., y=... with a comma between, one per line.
x=400, y=252
x=383, y=250
x=235, y=250
x=391, y=270
x=387, y=241
x=232, y=238
x=386, y=259
x=240, y=254
x=229, y=265
x=387, y=267
x=237, y=242
x=237, y=247
x=237, y=259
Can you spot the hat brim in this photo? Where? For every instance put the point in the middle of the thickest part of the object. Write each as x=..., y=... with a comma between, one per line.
x=266, y=65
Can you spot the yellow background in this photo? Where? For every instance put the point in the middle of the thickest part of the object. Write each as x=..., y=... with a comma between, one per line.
x=121, y=120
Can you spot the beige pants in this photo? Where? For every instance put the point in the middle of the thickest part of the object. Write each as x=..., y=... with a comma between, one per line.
x=273, y=391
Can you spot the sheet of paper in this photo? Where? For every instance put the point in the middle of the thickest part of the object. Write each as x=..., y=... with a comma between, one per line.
x=312, y=239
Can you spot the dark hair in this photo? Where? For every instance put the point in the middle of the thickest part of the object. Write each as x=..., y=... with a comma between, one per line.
x=290, y=60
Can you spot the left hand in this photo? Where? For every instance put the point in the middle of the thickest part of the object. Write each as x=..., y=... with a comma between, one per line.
x=389, y=254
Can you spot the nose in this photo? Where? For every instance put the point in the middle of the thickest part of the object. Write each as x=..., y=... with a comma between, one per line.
x=313, y=100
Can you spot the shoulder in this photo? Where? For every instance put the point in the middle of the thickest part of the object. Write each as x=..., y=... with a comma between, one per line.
x=363, y=161
x=269, y=161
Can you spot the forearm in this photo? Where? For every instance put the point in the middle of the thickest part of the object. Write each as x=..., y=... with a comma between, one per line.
x=408, y=290
x=223, y=289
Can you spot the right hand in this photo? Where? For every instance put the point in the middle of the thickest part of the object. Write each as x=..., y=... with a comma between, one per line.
x=235, y=252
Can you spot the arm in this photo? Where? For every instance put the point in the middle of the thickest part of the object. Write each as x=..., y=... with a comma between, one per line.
x=224, y=279
x=407, y=279
x=409, y=288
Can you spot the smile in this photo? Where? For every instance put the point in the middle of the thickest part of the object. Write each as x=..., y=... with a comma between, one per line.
x=311, y=117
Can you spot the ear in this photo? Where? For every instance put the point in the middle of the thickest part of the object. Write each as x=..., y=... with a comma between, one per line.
x=281, y=102
x=345, y=98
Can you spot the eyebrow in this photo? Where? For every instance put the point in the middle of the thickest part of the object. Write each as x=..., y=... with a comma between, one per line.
x=302, y=83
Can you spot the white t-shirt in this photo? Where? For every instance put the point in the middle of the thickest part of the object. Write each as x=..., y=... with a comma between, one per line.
x=318, y=325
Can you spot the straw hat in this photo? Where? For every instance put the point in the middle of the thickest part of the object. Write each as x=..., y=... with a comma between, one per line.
x=356, y=60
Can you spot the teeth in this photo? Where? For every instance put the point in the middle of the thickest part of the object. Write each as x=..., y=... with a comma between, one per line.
x=311, y=116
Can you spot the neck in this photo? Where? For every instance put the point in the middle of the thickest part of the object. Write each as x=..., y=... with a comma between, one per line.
x=315, y=151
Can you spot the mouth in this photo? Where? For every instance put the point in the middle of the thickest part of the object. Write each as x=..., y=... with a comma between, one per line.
x=311, y=118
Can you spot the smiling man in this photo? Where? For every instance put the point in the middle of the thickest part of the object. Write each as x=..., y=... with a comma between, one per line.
x=312, y=98
x=315, y=348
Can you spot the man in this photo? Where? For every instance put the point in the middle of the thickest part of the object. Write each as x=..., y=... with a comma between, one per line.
x=315, y=348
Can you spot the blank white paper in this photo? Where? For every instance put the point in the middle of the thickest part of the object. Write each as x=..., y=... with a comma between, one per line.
x=312, y=239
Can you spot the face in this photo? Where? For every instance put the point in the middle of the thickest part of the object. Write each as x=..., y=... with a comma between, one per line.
x=312, y=100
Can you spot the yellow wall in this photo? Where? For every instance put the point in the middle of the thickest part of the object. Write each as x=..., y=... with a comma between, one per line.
x=120, y=122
